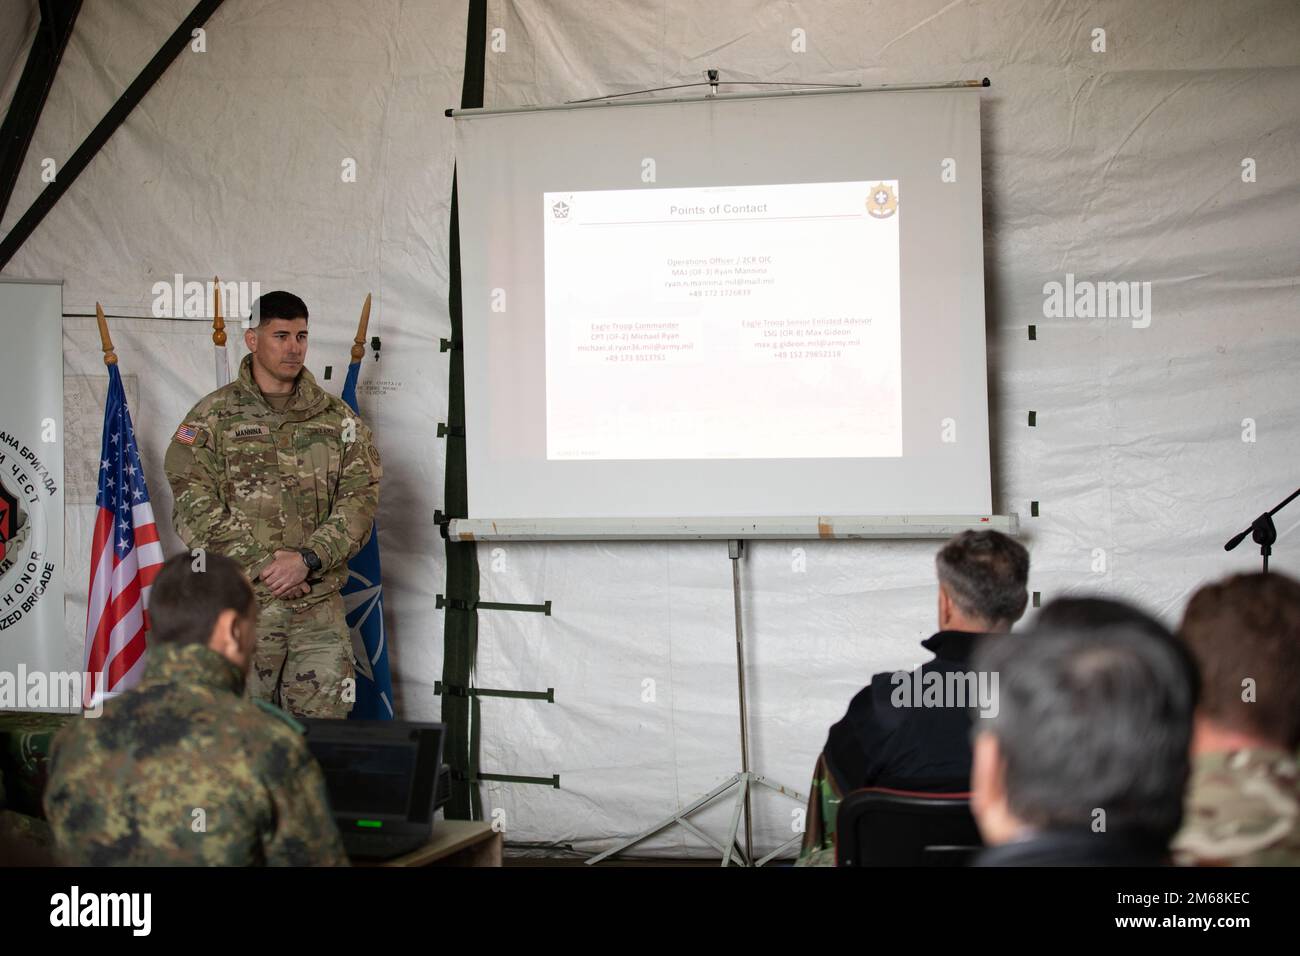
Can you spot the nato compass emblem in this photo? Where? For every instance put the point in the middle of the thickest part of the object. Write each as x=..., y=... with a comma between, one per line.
x=359, y=605
x=882, y=203
x=560, y=210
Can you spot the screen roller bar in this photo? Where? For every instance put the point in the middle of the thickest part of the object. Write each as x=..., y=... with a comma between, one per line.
x=660, y=101
x=720, y=529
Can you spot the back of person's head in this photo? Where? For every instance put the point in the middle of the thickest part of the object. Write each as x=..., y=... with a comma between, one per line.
x=1244, y=633
x=1091, y=613
x=985, y=574
x=1088, y=721
x=188, y=598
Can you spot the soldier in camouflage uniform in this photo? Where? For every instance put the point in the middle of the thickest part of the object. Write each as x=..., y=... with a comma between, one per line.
x=183, y=770
x=276, y=473
x=1243, y=799
x=1243, y=809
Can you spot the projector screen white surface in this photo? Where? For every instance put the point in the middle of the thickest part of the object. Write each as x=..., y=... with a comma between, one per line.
x=717, y=284
x=741, y=306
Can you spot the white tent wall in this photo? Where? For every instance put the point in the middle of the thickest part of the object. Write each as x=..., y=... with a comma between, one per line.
x=233, y=166
x=1123, y=165
x=1115, y=166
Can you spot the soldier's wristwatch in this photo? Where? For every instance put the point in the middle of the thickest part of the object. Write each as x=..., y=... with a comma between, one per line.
x=310, y=559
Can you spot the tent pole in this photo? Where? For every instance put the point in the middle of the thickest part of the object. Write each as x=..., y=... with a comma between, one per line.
x=736, y=550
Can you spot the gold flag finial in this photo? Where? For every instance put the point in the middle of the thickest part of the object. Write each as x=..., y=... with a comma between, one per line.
x=218, y=323
x=359, y=343
x=110, y=357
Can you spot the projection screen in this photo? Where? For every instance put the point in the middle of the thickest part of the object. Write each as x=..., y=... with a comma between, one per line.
x=737, y=305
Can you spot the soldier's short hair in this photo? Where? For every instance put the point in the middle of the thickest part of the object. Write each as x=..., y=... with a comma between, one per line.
x=277, y=305
x=1247, y=628
x=985, y=574
x=1092, y=720
x=185, y=602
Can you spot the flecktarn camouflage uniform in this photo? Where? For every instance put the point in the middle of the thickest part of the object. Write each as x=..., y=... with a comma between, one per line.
x=1243, y=809
x=249, y=480
x=183, y=771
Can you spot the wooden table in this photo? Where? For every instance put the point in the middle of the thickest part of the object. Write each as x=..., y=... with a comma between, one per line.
x=455, y=843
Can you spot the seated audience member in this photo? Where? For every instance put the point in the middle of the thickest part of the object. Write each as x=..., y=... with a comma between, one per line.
x=1089, y=613
x=1243, y=802
x=183, y=770
x=888, y=739
x=1085, y=760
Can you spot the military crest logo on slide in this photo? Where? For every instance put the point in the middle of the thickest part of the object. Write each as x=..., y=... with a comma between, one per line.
x=560, y=210
x=882, y=203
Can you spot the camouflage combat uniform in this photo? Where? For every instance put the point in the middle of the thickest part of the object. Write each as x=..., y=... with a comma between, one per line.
x=1243, y=809
x=819, y=846
x=248, y=480
x=182, y=771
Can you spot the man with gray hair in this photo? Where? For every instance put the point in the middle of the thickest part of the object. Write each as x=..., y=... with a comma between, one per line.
x=899, y=734
x=1085, y=762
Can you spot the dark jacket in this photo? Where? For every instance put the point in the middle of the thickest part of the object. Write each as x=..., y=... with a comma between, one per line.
x=878, y=744
x=1076, y=848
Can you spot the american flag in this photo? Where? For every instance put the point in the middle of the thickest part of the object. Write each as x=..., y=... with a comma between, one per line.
x=125, y=557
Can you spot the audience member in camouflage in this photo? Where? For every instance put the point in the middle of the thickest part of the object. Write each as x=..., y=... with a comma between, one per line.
x=1243, y=799
x=1243, y=809
x=278, y=474
x=183, y=770
x=819, y=846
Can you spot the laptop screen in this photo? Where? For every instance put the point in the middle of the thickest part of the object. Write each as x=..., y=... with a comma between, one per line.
x=371, y=779
x=378, y=769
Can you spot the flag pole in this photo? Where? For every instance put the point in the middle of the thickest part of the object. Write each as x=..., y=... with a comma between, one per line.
x=359, y=343
x=106, y=343
x=363, y=593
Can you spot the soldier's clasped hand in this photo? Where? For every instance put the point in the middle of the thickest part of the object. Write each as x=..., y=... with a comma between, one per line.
x=285, y=575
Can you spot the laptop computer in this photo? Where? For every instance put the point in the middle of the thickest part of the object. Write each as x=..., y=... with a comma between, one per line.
x=382, y=780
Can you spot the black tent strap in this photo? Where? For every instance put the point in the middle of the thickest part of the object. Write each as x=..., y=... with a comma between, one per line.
x=451, y=690
x=461, y=715
x=459, y=604
x=445, y=345
x=456, y=431
x=106, y=127
x=551, y=781
x=57, y=20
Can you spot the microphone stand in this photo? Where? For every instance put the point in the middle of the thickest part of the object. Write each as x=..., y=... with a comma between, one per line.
x=1262, y=531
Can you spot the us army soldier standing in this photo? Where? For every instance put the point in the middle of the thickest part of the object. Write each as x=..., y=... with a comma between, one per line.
x=278, y=474
x=182, y=770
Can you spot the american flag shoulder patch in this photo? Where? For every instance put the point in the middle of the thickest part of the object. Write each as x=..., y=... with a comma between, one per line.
x=187, y=434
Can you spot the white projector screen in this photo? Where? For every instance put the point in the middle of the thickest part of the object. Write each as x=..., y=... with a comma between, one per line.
x=760, y=306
